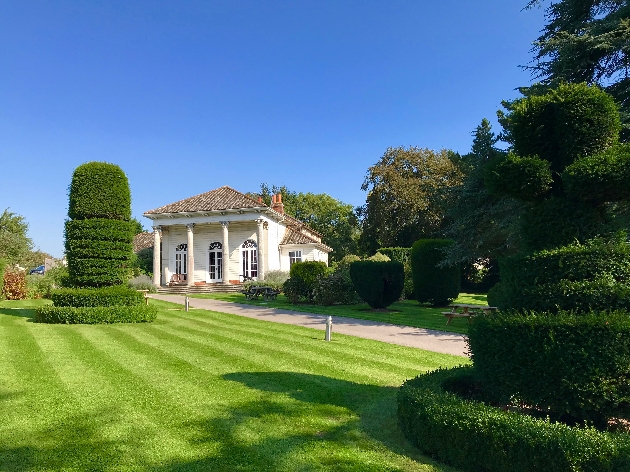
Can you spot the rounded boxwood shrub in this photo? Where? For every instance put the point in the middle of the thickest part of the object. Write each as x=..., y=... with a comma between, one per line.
x=581, y=277
x=99, y=190
x=379, y=284
x=574, y=367
x=437, y=285
x=302, y=279
x=526, y=178
x=474, y=436
x=107, y=296
x=95, y=314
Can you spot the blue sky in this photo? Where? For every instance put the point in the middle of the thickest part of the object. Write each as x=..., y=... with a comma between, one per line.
x=187, y=96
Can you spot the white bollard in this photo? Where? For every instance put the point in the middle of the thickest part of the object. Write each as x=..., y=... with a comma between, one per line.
x=328, y=328
x=187, y=302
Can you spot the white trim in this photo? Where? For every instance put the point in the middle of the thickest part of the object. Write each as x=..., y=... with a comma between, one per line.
x=220, y=266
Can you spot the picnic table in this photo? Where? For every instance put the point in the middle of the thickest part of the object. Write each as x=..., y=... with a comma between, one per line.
x=267, y=293
x=461, y=310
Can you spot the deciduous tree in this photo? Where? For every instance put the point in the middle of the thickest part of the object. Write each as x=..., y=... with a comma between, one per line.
x=15, y=245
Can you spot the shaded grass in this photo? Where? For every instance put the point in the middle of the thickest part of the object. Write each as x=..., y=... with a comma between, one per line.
x=201, y=390
x=406, y=312
x=24, y=303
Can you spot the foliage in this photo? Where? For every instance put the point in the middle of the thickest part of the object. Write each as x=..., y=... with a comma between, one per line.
x=482, y=225
x=603, y=177
x=378, y=257
x=335, y=288
x=586, y=42
x=14, y=284
x=276, y=276
x=437, y=285
x=473, y=436
x=264, y=283
x=403, y=255
x=562, y=124
x=379, y=284
x=42, y=286
x=296, y=290
x=308, y=271
x=99, y=190
x=15, y=245
x=95, y=314
x=142, y=282
x=3, y=266
x=143, y=261
x=582, y=277
x=137, y=226
x=93, y=297
x=406, y=196
x=526, y=178
x=576, y=367
x=335, y=220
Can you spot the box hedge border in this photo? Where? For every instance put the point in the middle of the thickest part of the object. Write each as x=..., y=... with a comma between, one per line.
x=473, y=436
x=95, y=315
x=95, y=297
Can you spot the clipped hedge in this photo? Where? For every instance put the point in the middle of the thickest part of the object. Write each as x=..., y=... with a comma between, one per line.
x=583, y=277
x=308, y=271
x=99, y=190
x=437, y=285
x=77, y=231
x=603, y=177
x=106, y=297
x=575, y=366
x=379, y=284
x=526, y=178
x=476, y=437
x=95, y=315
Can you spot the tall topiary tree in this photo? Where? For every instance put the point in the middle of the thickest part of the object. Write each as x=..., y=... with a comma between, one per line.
x=99, y=233
x=437, y=285
x=379, y=284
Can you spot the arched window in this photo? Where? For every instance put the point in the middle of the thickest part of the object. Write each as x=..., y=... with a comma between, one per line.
x=181, y=259
x=215, y=262
x=249, y=258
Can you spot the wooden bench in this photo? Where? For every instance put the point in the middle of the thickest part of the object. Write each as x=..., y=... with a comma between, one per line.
x=459, y=310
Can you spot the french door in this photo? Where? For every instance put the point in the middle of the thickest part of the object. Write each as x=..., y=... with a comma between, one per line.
x=215, y=263
x=181, y=261
x=249, y=256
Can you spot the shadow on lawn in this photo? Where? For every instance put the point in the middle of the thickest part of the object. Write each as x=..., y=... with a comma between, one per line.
x=20, y=312
x=351, y=416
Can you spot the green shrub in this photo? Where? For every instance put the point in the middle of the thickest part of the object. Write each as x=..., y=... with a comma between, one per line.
x=93, y=297
x=296, y=290
x=336, y=288
x=526, y=178
x=14, y=285
x=379, y=284
x=308, y=271
x=569, y=121
x=276, y=276
x=473, y=436
x=576, y=367
x=99, y=190
x=437, y=285
x=378, y=257
x=95, y=315
x=582, y=277
x=143, y=261
x=603, y=177
x=402, y=254
x=142, y=282
x=263, y=283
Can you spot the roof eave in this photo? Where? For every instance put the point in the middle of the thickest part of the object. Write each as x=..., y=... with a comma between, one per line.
x=190, y=214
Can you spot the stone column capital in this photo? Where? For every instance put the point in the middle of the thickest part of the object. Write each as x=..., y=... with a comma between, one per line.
x=260, y=221
x=190, y=226
x=157, y=228
x=225, y=224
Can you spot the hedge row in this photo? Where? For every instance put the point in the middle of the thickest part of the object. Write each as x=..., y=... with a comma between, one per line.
x=95, y=315
x=105, y=297
x=575, y=366
x=591, y=276
x=99, y=190
x=474, y=436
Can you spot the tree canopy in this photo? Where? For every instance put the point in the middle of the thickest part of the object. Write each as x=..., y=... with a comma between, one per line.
x=15, y=245
x=587, y=41
x=406, y=197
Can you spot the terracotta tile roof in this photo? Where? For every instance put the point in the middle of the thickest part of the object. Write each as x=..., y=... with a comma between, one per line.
x=222, y=198
x=301, y=235
x=142, y=241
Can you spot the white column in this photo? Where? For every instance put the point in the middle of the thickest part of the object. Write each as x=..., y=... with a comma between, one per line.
x=191, y=255
x=226, y=253
x=261, y=250
x=156, y=255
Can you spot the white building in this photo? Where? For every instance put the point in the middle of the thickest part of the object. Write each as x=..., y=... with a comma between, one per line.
x=224, y=236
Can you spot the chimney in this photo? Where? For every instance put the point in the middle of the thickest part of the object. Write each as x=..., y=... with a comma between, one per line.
x=276, y=203
x=260, y=199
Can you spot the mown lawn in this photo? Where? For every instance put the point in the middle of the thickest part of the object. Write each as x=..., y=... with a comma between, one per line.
x=200, y=391
x=406, y=313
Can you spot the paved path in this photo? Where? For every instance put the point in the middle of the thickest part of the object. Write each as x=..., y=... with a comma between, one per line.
x=437, y=341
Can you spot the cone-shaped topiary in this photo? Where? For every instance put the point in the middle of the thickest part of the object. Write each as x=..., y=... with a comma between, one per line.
x=99, y=235
x=379, y=284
